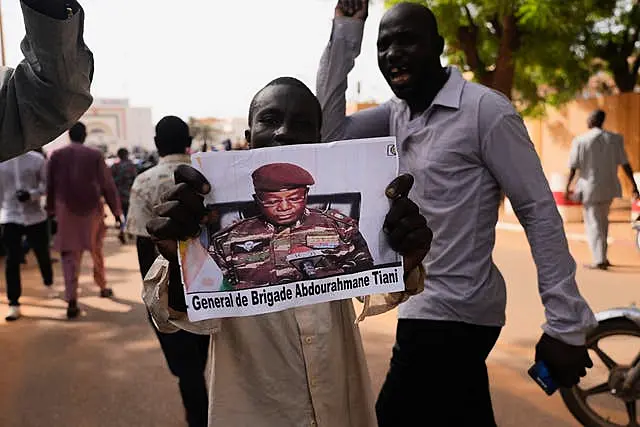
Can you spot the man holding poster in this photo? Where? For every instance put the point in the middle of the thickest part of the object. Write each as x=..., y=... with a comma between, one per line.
x=301, y=366
x=253, y=253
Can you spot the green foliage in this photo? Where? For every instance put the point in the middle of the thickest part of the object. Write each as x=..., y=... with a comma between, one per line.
x=551, y=63
x=615, y=40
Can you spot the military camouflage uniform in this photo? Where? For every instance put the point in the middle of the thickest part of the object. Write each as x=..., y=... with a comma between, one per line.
x=253, y=252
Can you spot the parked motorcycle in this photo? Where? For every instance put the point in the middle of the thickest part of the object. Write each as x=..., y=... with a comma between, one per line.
x=623, y=383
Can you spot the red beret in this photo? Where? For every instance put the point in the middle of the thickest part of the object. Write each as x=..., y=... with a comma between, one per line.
x=280, y=176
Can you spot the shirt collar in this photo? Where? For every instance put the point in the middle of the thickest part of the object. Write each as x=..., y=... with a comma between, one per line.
x=450, y=94
x=175, y=158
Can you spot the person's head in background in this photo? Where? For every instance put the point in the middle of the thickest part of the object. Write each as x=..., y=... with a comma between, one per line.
x=596, y=119
x=172, y=136
x=284, y=112
x=78, y=133
x=123, y=154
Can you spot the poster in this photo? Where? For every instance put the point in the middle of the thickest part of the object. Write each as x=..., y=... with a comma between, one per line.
x=291, y=226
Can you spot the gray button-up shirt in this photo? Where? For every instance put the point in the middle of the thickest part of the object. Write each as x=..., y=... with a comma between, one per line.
x=462, y=151
x=596, y=155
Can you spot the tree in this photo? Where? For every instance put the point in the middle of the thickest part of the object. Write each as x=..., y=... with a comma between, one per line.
x=530, y=50
x=615, y=41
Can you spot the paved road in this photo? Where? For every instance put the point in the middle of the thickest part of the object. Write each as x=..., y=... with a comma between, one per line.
x=106, y=369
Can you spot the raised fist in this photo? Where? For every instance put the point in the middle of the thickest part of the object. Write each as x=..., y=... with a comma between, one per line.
x=358, y=9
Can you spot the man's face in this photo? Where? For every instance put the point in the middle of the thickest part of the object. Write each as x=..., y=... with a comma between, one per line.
x=408, y=53
x=284, y=207
x=284, y=115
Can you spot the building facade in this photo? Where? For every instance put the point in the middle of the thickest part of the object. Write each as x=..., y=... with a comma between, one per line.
x=113, y=124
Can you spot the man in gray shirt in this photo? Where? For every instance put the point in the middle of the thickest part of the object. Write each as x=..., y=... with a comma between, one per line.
x=49, y=90
x=597, y=155
x=464, y=144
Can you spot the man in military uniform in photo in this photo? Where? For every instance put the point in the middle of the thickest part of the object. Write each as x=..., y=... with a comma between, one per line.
x=287, y=242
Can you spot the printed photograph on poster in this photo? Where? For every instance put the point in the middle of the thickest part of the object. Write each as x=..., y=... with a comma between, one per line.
x=291, y=226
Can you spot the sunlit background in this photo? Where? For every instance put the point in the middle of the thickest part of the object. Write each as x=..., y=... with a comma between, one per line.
x=206, y=58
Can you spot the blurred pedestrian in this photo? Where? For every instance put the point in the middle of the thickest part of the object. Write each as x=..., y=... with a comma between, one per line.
x=124, y=173
x=596, y=155
x=23, y=182
x=78, y=179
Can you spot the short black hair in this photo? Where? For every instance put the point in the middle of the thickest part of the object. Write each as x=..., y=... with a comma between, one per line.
x=78, y=132
x=421, y=14
x=596, y=118
x=285, y=81
x=123, y=153
x=172, y=136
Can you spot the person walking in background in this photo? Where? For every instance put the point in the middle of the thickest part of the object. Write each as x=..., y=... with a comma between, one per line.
x=23, y=182
x=186, y=353
x=50, y=225
x=595, y=156
x=78, y=179
x=124, y=173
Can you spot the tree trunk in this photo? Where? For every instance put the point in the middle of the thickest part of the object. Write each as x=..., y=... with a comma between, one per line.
x=502, y=76
x=625, y=78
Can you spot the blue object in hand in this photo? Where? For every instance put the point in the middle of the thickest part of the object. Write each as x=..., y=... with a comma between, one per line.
x=540, y=374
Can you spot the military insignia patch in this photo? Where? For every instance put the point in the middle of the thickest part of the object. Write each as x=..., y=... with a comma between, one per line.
x=256, y=257
x=247, y=246
x=323, y=241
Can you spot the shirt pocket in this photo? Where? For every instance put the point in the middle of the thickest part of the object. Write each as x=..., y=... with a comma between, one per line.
x=441, y=181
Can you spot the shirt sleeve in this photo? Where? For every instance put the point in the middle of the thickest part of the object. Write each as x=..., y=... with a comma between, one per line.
x=155, y=294
x=574, y=155
x=51, y=197
x=50, y=89
x=336, y=62
x=41, y=178
x=109, y=190
x=140, y=211
x=376, y=304
x=511, y=158
x=622, y=153
x=147, y=254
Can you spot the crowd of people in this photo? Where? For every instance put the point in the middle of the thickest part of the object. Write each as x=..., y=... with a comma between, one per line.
x=457, y=145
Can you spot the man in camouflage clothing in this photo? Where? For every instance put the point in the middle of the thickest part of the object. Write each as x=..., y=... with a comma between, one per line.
x=287, y=242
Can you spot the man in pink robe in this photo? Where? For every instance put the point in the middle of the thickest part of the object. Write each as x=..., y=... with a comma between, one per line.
x=78, y=180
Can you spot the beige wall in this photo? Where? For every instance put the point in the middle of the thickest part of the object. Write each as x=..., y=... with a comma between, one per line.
x=552, y=135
